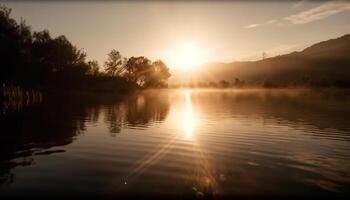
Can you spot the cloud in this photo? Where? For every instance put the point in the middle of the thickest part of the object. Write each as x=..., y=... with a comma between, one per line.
x=253, y=25
x=298, y=4
x=320, y=12
x=272, y=21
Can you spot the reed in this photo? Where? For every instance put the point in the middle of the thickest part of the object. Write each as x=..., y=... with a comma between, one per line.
x=16, y=98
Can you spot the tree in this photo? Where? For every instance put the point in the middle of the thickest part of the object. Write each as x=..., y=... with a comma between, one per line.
x=137, y=69
x=94, y=68
x=158, y=75
x=269, y=83
x=15, y=42
x=224, y=84
x=114, y=66
x=57, y=54
x=39, y=61
x=238, y=83
x=56, y=61
x=146, y=74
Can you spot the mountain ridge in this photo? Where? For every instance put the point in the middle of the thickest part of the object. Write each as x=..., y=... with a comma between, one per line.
x=326, y=60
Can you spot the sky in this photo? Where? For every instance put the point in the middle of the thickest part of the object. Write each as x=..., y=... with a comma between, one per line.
x=211, y=31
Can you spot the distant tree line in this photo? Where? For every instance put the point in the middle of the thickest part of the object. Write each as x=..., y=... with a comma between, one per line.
x=236, y=83
x=36, y=60
x=303, y=81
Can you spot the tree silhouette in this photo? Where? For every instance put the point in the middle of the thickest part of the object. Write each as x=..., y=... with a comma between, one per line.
x=224, y=84
x=136, y=69
x=45, y=63
x=114, y=64
x=146, y=74
x=94, y=68
x=59, y=63
x=159, y=74
x=15, y=41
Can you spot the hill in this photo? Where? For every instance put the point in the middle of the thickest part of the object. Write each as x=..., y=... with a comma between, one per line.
x=322, y=63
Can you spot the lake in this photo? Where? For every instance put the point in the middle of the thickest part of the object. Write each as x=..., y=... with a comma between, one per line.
x=179, y=143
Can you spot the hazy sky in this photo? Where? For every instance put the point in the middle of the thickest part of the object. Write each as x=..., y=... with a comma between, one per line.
x=222, y=31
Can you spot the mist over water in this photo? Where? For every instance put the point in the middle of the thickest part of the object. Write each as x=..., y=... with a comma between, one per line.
x=179, y=142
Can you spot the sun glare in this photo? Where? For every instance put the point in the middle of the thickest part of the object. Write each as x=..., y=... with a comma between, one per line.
x=186, y=56
x=189, y=118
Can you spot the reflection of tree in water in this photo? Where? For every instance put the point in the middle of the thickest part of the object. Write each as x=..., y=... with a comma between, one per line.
x=34, y=130
x=114, y=118
x=137, y=111
x=56, y=122
x=92, y=114
x=147, y=108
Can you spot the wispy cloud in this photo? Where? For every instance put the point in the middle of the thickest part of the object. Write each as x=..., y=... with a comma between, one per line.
x=323, y=11
x=299, y=4
x=320, y=12
x=253, y=25
x=272, y=21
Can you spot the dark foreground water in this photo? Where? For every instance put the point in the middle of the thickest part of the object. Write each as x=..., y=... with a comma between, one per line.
x=181, y=143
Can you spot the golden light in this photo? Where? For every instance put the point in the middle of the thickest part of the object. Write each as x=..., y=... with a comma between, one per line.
x=186, y=56
x=189, y=118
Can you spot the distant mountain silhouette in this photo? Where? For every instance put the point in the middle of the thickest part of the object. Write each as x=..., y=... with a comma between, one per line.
x=327, y=60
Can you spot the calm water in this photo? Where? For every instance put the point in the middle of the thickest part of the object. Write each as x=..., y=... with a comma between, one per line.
x=200, y=143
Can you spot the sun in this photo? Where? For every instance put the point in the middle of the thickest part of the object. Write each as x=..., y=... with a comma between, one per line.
x=186, y=56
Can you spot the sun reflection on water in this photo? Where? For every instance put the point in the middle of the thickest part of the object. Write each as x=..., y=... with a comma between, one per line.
x=189, y=118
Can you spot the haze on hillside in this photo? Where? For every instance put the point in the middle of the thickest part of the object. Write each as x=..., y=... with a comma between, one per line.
x=324, y=62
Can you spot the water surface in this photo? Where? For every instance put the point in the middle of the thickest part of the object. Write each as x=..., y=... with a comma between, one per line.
x=200, y=143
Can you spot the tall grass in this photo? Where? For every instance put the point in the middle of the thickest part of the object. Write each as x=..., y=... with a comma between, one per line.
x=14, y=98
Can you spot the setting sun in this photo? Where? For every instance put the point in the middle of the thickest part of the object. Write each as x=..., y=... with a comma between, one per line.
x=186, y=56
x=175, y=99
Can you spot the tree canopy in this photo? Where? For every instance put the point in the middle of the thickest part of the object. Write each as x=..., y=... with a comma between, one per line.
x=139, y=70
x=38, y=60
